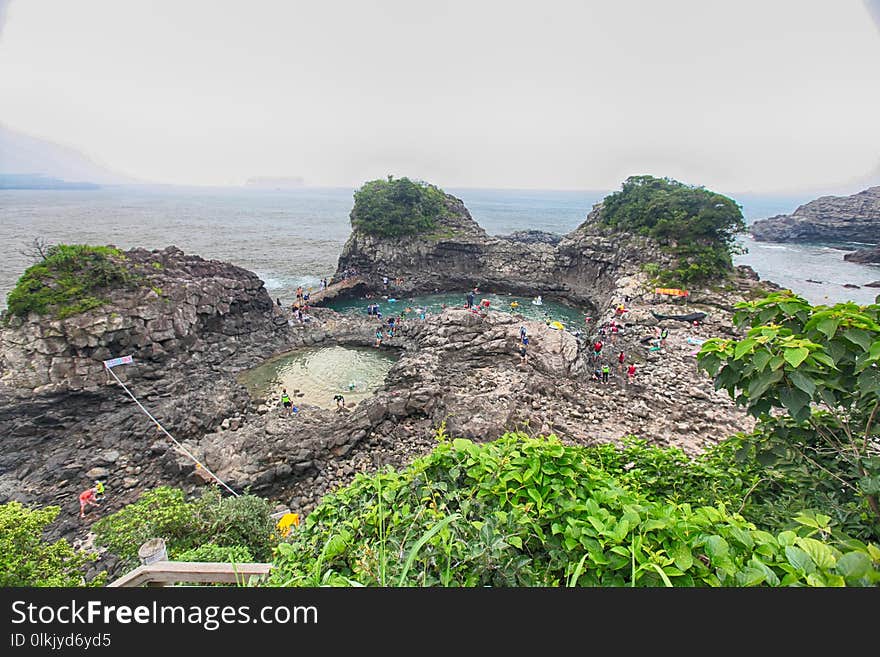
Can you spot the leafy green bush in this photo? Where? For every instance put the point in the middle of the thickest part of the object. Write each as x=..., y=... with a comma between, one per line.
x=395, y=207
x=532, y=512
x=214, y=552
x=28, y=560
x=68, y=281
x=159, y=513
x=768, y=483
x=822, y=366
x=698, y=227
x=227, y=522
x=236, y=521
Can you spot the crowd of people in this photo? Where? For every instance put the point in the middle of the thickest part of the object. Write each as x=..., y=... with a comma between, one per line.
x=605, y=334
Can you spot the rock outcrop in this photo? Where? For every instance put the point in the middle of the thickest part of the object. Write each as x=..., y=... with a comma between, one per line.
x=853, y=218
x=183, y=308
x=864, y=256
x=583, y=267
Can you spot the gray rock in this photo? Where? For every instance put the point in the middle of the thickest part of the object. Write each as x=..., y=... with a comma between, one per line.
x=865, y=256
x=109, y=455
x=853, y=218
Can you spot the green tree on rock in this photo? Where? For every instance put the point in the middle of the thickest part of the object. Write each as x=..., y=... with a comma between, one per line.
x=695, y=225
x=397, y=207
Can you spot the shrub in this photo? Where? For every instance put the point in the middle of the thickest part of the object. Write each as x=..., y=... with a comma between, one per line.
x=821, y=365
x=236, y=521
x=159, y=513
x=26, y=559
x=68, y=281
x=532, y=512
x=226, y=522
x=396, y=207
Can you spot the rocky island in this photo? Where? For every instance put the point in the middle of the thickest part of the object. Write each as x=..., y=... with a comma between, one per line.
x=848, y=219
x=193, y=326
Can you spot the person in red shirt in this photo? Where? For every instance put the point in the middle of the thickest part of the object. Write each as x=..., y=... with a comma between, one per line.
x=631, y=372
x=620, y=358
x=87, y=497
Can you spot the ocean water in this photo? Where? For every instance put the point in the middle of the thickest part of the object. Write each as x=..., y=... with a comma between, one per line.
x=294, y=237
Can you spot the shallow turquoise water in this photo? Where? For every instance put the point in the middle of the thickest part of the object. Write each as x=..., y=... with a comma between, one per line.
x=320, y=374
x=570, y=316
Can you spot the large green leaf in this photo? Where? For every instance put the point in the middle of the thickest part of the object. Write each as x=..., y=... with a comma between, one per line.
x=743, y=537
x=769, y=576
x=794, y=400
x=743, y=347
x=799, y=559
x=801, y=381
x=825, y=359
x=869, y=381
x=820, y=553
x=759, y=385
x=816, y=580
x=828, y=326
x=854, y=564
x=681, y=554
x=716, y=547
x=761, y=358
x=794, y=356
x=750, y=577
x=859, y=337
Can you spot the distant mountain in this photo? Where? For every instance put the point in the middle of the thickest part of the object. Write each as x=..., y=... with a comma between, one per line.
x=23, y=154
x=30, y=181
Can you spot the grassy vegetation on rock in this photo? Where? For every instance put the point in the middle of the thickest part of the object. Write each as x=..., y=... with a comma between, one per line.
x=71, y=279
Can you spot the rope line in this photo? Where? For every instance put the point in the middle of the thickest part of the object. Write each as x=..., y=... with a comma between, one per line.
x=159, y=424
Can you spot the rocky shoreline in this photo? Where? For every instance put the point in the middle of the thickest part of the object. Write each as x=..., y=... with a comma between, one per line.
x=198, y=324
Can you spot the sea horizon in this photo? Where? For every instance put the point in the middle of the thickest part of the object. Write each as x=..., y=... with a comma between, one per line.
x=293, y=236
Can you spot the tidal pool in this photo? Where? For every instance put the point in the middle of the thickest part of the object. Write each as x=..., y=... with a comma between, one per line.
x=320, y=373
x=571, y=317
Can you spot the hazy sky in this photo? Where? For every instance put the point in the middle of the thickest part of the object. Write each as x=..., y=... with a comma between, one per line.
x=751, y=95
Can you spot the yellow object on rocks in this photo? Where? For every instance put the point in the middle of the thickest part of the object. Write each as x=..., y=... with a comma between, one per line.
x=287, y=521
